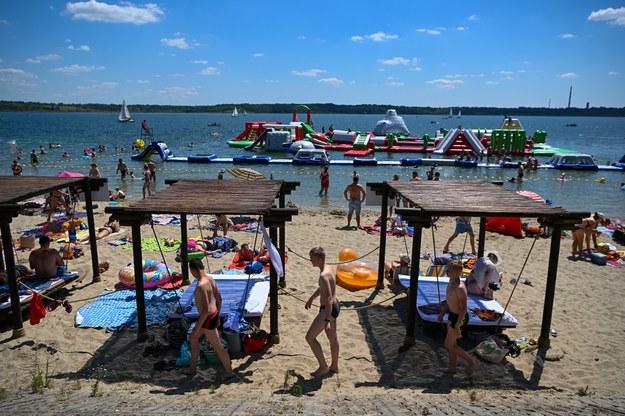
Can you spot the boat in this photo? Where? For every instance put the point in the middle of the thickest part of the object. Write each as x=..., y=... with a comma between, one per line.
x=451, y=114
x=459, y=114
x=576, y=161
x=311, y=157
x=235, y=113
x=124, y=114
x=620, y=163
x=571, y=125
x=256, y=159
x=201, y=158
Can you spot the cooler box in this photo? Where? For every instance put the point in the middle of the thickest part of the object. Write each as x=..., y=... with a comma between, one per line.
x=599, y=258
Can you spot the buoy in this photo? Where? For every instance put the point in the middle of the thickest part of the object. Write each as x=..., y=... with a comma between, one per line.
x=347, y=254
x=601, y=180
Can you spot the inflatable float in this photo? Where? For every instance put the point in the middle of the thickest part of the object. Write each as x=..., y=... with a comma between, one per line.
x=155, y=274
x=355, y=274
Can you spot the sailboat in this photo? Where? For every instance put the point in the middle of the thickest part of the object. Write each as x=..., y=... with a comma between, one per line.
x=235, y=113
x=124, y=114
x=451, y=114
x=459, y=113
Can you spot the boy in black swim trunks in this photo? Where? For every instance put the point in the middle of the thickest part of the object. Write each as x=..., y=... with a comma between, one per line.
x=326, y=318
x=208, y=302
x=456, y=304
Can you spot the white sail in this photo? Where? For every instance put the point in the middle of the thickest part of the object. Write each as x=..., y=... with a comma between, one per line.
x=235, y=112
x=124, y=114
x=459, y=113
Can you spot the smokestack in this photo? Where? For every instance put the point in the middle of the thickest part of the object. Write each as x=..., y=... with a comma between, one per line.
x=570, y=94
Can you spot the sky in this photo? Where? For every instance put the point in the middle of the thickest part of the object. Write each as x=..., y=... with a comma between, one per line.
x=414, y=53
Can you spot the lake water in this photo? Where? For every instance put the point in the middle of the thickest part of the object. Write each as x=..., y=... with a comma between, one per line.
x=187, y=134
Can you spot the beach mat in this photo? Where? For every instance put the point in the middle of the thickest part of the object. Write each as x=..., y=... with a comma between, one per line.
x=42, y=286
x=150, y=244
x=118, y=310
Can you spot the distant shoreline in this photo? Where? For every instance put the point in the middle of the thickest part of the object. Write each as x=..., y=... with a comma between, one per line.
x=325, y=108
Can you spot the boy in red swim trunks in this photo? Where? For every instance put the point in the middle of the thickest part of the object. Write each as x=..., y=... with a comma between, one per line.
x=208, y=302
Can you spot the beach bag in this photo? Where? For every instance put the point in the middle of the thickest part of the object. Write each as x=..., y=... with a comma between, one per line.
x=619, y=236
x=491, y=351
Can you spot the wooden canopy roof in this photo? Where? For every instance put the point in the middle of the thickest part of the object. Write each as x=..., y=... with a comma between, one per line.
x=14, y=189
x=206, y=196
x=470, y=198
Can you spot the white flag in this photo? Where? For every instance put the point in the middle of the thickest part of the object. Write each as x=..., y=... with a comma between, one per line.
x=274, y=255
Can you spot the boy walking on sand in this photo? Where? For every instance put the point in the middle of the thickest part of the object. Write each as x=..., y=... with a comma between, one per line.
x=326, y=318
x=457, y=306
x=208, y=302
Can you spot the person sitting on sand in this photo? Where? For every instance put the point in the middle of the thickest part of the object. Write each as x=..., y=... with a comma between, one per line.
x=586, y=230
x=110, y=227
x=327, y=315
x=45, y=261
x=393, y=269
x=485, y=275
x=71, y=250
x=456, y=305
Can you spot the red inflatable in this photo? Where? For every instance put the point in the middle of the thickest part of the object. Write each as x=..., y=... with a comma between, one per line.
x=505, y=225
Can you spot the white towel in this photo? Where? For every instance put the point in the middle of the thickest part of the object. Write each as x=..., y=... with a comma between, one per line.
x=276, y=261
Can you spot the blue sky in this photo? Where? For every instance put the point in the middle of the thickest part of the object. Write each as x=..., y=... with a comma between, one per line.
x=192, y=52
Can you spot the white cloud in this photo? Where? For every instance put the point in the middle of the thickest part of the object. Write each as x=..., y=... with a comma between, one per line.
x=82, y=48
x=180, y=43
x=77, y=69
x=430, y=31
x=569, y=75
x=211, y=70
x=33, y=61
x=143, y=81
x=614, y=16
x=461, y=29
x=446, y=84
x=49, y=57
x=394, y=84
x=258, y=55
x=14, y=77
x=567, y=36
x=398, y=60
x=473, y=17
x=614, y=73
x=272, y=81
x=16, y=72
x=178, y=93
x=309, y=72
x=4, y=22
x=302, y=37
x=452, y=76
x=200, y=62
x=332, y=81
x=502, y=72
x=375, y=37
x=100, y=86
x=125, y=12
x=491, y=82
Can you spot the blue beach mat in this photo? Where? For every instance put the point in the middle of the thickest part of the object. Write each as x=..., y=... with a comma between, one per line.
x=40, y=285
x=118, y=310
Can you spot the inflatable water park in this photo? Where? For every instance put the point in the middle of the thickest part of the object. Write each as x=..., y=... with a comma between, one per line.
x=458, y=146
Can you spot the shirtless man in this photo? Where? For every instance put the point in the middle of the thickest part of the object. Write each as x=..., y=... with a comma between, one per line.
x=16, y=168
x=326, y=318
x=356, y=197
x=45, y=260
x=208, y=302
x=457, y=306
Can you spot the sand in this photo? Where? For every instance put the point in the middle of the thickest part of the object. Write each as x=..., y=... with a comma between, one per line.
x=88, y=368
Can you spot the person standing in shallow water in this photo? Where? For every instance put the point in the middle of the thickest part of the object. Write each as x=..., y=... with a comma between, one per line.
x=324, y=177
x=356, y=197
x=146, y=180
x=326, y=318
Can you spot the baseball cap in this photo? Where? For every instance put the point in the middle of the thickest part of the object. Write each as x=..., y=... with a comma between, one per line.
x=405, y=258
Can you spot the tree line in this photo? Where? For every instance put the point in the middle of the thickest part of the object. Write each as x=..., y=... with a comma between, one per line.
x=316, y=108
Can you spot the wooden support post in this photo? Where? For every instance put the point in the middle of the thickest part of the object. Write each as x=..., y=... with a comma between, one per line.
x=281, y=243
x=552, y=272
x=16, y=307
x=481, y=240
x=142, y=331
x=415, y=259
x=273, y=294
x=95, y=263
x=184, y=250
x=383, y=220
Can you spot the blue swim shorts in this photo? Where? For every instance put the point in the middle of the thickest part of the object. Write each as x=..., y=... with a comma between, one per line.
x=461, y=227
x=354, y=205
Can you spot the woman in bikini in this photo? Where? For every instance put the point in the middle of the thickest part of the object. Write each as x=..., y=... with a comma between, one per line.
x=585, y=230
x=111, y=226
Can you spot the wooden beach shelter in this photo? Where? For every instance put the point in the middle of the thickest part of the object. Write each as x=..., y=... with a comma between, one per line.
x=15, y=189
x=209, y=197
x=481, y=199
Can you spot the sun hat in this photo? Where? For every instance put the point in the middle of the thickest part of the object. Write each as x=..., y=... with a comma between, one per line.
x=405, y=258
x=487, y=253
x=600, y=215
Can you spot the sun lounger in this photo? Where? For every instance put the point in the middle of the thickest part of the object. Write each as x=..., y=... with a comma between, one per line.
x=428, y=295
x=232, y=289
x=43, y=287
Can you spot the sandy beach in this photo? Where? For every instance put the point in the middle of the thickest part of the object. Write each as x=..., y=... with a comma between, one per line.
x=94, y=371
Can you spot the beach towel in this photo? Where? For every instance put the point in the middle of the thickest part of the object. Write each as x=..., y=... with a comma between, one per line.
x=150, y=244
x=274, y=255
x=37, y=309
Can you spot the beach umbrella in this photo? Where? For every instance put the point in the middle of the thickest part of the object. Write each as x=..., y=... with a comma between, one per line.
x=247, y=174
x=69, y=175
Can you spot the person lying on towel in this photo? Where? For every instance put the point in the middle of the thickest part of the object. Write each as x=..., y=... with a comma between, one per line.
x=45, y=261
x=243, y=256
x=485, y=276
